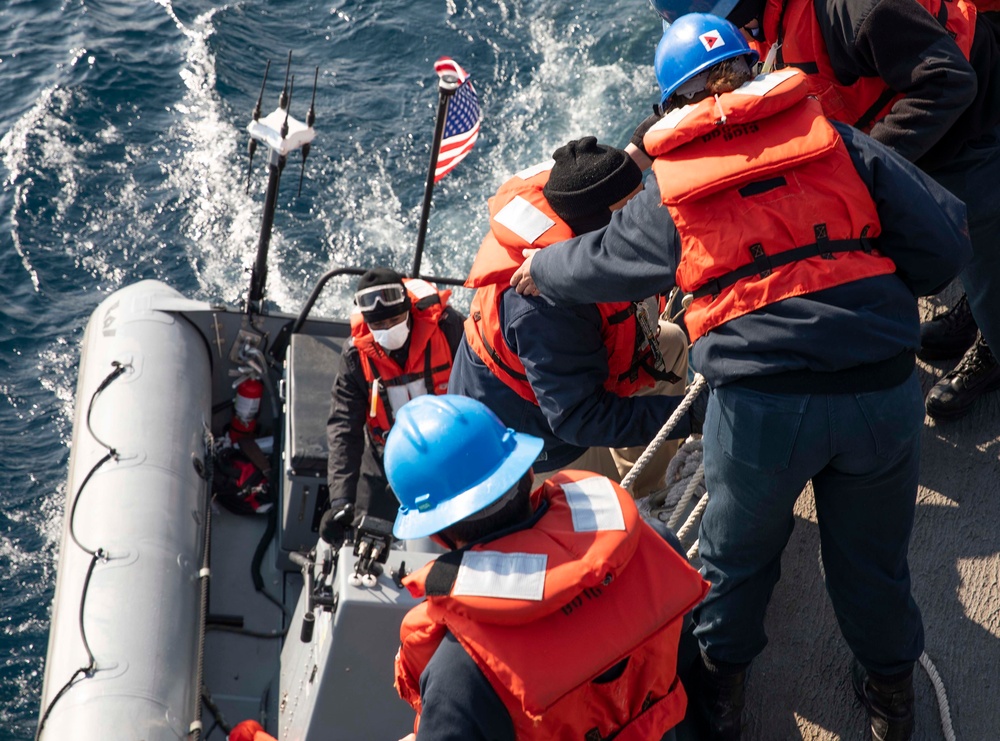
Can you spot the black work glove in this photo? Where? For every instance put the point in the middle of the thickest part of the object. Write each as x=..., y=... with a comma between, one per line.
x=696, y=412
x=641, y=129
x=335, y=525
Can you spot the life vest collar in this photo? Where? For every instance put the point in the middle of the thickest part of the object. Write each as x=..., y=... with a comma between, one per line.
x=790, y=130
x=760, y=98
x=520, y=218
x=534, y=572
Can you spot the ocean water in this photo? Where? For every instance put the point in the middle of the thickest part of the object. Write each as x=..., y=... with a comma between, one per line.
x=122, y=156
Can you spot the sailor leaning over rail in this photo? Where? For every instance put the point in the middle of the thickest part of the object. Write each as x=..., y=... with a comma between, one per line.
x=557, y=612
x=802, y=245
x=585, y=378
x=403, y=340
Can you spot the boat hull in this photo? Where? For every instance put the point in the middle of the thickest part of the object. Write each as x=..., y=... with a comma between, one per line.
x=144, y=511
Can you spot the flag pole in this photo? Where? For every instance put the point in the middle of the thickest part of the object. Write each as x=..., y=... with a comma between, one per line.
x=447, y=85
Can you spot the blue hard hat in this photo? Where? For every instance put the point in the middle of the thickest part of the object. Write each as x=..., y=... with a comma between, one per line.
x=692, y=44
x=447, y=457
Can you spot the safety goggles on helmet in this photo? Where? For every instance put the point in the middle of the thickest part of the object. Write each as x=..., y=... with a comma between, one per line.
x=391, y=294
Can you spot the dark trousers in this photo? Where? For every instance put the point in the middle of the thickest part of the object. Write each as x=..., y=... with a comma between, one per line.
x=974, y=176
x=862, y=453
x=374, y=496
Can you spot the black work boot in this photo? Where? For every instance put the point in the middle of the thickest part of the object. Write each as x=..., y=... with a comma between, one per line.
x=889, y=704
x=976, y=374
x=948, y=335
x=717, y=700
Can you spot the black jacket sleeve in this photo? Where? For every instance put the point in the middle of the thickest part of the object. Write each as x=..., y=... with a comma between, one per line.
x=452, y=323
x=345, y=428
x=633, y=257
x=566, y=364
x=903, y=44
x=458, y=703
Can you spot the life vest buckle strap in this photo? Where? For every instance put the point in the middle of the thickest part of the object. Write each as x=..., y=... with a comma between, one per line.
x=631, y=375
x=620, y=316
x=404, y=378
x=763, y=265
x=376, y=436
x=822, y=239
x=761, y=261
x=866, y=244
x=661, y=375
x=477, y=318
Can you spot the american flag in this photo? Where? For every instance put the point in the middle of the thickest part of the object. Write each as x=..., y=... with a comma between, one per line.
x=461, y=126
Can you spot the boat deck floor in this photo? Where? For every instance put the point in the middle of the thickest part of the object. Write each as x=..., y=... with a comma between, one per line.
x=241, y=669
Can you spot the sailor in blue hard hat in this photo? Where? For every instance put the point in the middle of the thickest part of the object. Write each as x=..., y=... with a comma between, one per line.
x=691, y=48
x=494, y=650
x=449, y=457
x=922, y=78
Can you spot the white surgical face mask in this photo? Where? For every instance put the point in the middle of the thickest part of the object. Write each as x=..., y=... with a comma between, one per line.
x=394, y=337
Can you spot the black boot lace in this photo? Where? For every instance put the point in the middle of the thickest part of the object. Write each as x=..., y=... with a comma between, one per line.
x=977, y=359
x=958, y=316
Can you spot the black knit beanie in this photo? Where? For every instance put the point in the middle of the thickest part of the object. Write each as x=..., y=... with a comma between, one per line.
x=586, y=179
x=382, y=277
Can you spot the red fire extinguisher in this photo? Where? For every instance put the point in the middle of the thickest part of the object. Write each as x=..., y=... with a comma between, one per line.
x=246, y=408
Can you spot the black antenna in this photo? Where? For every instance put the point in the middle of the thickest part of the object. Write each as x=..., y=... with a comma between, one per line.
x=283, y=100
x=252, y=144
x=310, y=120
x=260, y=96
x=279, y=145
x=284, y=125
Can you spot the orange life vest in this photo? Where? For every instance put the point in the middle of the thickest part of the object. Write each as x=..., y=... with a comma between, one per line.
x=546, y=610
x=765, y=198
x=428, y=363
x=521, y=218
x=793, y=24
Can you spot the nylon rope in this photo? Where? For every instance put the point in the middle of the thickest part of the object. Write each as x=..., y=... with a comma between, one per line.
x=940, y=693
x=692, y=393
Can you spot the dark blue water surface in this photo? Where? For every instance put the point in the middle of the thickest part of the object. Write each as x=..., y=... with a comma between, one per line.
x=122, y=138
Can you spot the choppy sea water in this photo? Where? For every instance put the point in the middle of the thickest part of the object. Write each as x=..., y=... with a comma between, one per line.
x=122, y=156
